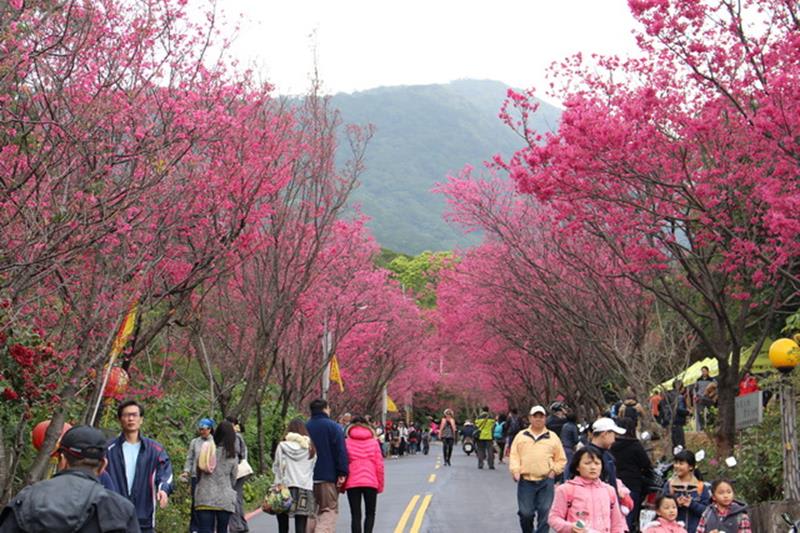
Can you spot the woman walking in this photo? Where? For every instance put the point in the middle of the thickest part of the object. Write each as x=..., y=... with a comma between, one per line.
x=238, y=523
x=215, y=497
x=293, y=468
x=448, y=432
x=633, y=467
x=365, y=479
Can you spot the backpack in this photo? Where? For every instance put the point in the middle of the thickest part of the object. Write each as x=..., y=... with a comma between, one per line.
x=207, y=460
x=498, y=430
x=629, y=411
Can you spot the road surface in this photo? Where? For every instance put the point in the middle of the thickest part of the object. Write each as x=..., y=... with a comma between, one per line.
x=422, y=495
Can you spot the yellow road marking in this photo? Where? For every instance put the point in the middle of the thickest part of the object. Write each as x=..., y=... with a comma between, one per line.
x=415, y=527
x=401, y=525
x=437, y=467
x=432, y=478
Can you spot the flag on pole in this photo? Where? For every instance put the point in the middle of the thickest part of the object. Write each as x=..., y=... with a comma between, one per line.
x=390, y=405
x=125, y=331
x=336, y=376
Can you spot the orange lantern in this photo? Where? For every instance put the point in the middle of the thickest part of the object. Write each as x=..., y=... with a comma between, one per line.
x=37, y=435
x=117, y=383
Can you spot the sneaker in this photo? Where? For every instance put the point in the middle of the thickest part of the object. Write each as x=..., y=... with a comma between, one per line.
x=491, y=468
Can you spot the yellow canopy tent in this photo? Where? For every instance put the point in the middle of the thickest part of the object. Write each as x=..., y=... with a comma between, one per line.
x=760, y=366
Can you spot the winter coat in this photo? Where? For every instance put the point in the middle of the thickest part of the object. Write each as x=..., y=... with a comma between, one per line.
x=215, y=490
x=190, y=466
x=735, y=520
x=569, y=436
x=555, y=423
x=328, y=439
x=663, y=526
x=592, y=501
x=701, y=498
x=153, y=473
x=366, y=459
x=609, y=474
x=73, y=501
x=485, y=425
x=632, y=461
x=292, y=465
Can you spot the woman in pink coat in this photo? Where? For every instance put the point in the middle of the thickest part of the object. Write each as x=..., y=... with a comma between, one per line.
x=584, y=504
x=366, y=473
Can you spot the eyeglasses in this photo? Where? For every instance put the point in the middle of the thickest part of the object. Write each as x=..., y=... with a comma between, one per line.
x=129, y=415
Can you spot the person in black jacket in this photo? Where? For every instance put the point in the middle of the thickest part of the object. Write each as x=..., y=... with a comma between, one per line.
x=73, y=500
x=557, y=418
x=633, y=467
x=570, y=436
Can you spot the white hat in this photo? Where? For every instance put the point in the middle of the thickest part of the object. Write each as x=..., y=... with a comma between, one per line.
x=538, y=409
x=606, y=424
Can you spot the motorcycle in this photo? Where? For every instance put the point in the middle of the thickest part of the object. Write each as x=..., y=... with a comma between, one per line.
x=468, y=445
x=794, y=526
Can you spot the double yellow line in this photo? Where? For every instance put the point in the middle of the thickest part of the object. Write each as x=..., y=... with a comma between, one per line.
x=420, y=516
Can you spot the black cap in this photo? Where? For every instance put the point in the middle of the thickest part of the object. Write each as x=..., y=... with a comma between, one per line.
x=84, y=442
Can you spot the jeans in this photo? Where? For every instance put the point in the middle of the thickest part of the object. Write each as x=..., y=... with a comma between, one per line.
x=485, y=453
x=206, y=520
x=447, y=448
x=534, y=499
x=300, y=523
x=354, y=496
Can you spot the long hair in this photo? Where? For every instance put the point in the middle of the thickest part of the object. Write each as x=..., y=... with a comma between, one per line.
x=296, y=425
x=225, y=438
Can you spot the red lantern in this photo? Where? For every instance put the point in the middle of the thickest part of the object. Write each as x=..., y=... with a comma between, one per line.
x=37, y=435
x=117, y=383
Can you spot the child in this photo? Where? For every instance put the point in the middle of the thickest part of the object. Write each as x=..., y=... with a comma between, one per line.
x=667, y=511
x=692, y=495
x=724, y=515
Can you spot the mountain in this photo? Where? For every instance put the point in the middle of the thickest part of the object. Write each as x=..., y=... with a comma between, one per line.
x=423, y=133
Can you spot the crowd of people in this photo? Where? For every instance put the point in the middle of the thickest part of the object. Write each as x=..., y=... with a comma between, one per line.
x=570, y=478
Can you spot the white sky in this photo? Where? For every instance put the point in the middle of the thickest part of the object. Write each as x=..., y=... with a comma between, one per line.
x=363, y=44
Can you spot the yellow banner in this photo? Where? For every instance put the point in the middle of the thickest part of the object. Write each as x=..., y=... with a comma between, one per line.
x=390, y=405
x=336, y=376
x=125, y=331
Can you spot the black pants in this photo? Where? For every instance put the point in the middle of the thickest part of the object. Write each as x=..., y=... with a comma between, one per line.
x=678, y=436
x=370, y=502
x=501, y=448
x=447, y=446
x=299, y=523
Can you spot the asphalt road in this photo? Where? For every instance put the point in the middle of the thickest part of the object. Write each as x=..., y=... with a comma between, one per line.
x=421, y=495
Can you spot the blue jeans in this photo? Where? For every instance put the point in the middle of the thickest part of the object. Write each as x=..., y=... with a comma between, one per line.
x=534, y=499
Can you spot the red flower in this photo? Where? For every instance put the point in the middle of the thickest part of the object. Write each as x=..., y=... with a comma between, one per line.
x=3, y=337
x=22, y=354
x=10, y=394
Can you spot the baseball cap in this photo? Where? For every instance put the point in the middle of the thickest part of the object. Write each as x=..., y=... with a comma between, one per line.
x=538, y=409
x=606, y=424
x=205, y=423
x=85, y=442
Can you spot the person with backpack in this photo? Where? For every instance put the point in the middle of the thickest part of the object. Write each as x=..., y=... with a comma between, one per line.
x=536, y=459
x=724, y=513
x=513, y=426
x=293, y=467
x=73, y=500
x=585, y=502
x=205, y=432
x=631, y=408
x=448, y=432
x=499, y=437
x=217, y=469
x=692, y=494
x=484, y=425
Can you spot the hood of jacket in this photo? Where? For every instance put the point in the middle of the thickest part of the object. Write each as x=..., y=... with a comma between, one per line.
x=587, y=483
x=295, y=446
x=360, y=432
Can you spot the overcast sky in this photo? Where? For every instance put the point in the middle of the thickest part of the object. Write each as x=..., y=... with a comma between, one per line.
x=363, y=44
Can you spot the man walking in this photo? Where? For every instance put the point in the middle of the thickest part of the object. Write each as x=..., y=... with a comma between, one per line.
x=604, y=433
x=331, y=468
x=536, y=458
x=73, y=500
x=701, y=400
x=138, y=468
x=484, y=425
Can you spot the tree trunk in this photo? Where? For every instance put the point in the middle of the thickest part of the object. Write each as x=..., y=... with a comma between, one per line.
x=42, y=460
x=726, y=402
x=260, y=436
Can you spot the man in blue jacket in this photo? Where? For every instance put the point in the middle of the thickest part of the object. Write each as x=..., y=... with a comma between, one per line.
x=138, y=467
x=331, y=468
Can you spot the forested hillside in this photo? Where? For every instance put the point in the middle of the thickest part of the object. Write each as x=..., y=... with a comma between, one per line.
x=423, y=133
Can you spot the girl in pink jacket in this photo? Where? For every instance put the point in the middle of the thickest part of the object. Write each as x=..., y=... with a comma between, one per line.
x=584, y=504
x=366, y=473
x=667, y=522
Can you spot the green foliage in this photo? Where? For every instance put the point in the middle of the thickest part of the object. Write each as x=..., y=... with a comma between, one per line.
x=420, y=274
x=792, y=324
x=423, y=133
x=386, y=256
